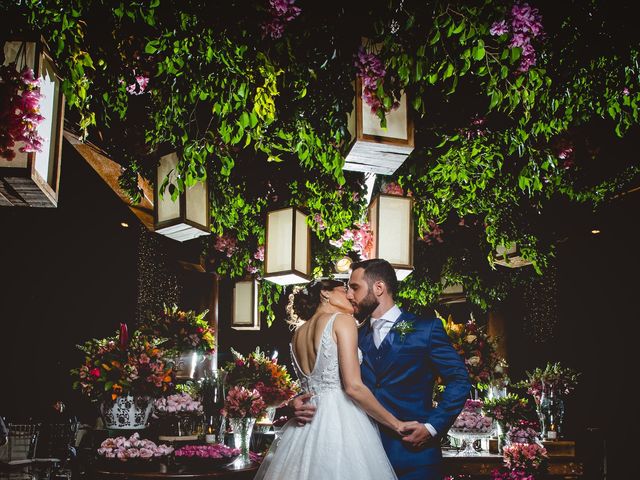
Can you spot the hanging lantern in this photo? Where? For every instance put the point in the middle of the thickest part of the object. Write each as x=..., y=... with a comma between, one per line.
x=188, y=216
x=510, y=257
x=246, y=315
x=391, y=220
x=376, y=149
x=287, y=258
x=452, y=294
x=32, y=177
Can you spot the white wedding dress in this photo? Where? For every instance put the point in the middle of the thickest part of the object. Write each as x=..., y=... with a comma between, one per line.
x=341, y=443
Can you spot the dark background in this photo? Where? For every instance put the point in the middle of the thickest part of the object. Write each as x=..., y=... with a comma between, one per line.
x=69, y=274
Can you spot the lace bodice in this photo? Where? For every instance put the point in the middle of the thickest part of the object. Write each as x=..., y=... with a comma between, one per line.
x=326, y=373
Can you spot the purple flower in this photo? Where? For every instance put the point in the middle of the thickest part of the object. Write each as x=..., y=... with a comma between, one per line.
x=526, y=19
x=626, y=92
x=499, y=28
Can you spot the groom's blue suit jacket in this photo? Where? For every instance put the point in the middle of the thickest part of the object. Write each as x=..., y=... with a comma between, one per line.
x=401, y=374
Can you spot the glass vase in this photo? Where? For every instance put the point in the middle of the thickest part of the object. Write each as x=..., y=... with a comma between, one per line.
x=242, y=430
x=551, y=413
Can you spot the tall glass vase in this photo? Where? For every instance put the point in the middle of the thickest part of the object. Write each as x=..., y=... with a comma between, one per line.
x=242, y=430
x=551, y=413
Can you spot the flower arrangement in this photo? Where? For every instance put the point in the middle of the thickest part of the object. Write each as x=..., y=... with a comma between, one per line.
x=403, y=328
x=19, y=111
x=118, y=365
x=478, y=350
x=178, y=403
x=133, y=447
x=471, y=419
x=217, y=451
x=243, y=403
x=507, y=410
x=183, y=330
x=257, y=371
x=523, y=432
x=554, y=376
x=530, y=457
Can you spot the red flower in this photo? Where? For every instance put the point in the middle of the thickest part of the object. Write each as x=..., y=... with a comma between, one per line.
x=95, y=372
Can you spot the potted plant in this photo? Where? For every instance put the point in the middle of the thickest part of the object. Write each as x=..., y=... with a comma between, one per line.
x=123, y=374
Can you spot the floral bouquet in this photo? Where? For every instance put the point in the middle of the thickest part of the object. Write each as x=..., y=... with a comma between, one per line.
x=243, y=403
x=206, y=455
x=257, y=371
x=178, y=403
x=530, y=457
x=506, y=410
x=182, y=330
x=523, y=432
x=478, y=350
x=554, y=377
x=134, y=447
x=120, y=365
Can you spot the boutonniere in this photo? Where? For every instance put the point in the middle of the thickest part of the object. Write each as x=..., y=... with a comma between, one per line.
x=403, y=328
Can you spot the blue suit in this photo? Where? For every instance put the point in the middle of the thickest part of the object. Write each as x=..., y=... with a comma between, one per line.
x=401, y=375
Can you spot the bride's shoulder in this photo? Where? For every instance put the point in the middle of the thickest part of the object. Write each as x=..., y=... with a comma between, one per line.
x=345, y=319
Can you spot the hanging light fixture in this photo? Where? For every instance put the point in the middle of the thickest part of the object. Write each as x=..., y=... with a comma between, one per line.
x=510, y=257
x=246, y=314
x=287, y=258
x=188, y=216
x=391, y=220
x=31, y=179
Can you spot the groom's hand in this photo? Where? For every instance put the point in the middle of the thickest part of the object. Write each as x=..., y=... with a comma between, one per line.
x=418, y=435
x=303, y=411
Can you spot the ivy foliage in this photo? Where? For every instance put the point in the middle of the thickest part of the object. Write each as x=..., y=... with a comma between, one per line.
x=511, y=132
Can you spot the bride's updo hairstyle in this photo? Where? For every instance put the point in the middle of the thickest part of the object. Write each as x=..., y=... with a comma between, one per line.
x=304, y=301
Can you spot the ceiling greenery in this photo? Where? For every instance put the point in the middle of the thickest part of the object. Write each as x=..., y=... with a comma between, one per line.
x=523, y=112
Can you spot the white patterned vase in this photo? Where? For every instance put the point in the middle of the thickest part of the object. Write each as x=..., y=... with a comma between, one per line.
x=126, y=412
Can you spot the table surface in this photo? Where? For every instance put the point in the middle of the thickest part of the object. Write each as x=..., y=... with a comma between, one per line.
x=218, y=474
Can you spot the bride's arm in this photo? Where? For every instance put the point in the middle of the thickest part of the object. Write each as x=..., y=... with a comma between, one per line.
x=347, y=340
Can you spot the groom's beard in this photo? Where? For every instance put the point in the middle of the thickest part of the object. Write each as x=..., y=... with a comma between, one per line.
x=366, y=306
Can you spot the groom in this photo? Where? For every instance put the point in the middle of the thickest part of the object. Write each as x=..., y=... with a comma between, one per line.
x=402, y=355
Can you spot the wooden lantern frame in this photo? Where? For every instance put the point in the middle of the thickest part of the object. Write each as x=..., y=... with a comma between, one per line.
x=252, y=323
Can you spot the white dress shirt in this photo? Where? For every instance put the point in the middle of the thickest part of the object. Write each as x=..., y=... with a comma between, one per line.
x=390, y=317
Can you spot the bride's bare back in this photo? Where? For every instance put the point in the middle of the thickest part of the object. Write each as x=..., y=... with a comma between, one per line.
x=306, y=341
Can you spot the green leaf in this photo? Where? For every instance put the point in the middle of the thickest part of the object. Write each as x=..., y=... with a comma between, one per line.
x=151, y=47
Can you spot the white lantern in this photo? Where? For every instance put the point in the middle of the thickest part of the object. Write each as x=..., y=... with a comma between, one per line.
x=287, y=258
x=32, y=179
x=376, y=149
x=452, y=294
x=510, y=257
x=187, y=217
x=246, y=315
x=391, y=220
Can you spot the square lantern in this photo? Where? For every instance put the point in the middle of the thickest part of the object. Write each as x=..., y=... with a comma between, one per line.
x=376, y=149
x=391, y=220
x=510, y=257
x=452, y=294
x=32, y=179
x=287, y=257
x=187, y=217
x=246, y=315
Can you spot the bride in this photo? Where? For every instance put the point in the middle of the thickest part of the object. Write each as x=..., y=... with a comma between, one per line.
x=342, y=441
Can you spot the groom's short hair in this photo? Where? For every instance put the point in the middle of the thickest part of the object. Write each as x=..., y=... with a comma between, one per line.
x=378, y=269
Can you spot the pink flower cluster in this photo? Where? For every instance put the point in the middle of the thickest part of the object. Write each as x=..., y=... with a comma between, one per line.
x=281, y=12
x=226, y=244
x=216, y=451
x=471, y=419
x=242, y=402
x=360, y=239
x=139, y=86
x=524, y=456
x=371, y=72
x=392, y=188
x=476, y=128
x=504, y=474
x=19, y=111
x=319, y=221
x=434, y=234
x=525, y=25
x=134, y=447
x=178, y=403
